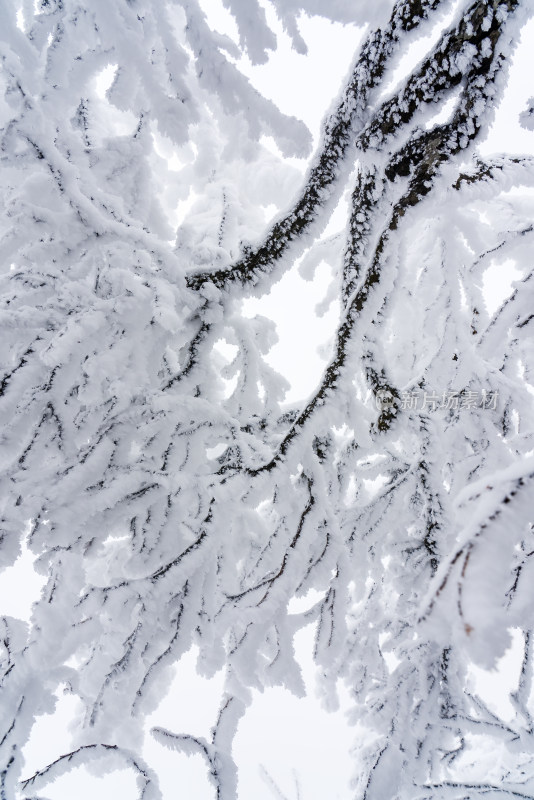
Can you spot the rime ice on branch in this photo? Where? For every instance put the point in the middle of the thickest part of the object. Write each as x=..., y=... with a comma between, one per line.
x=166, y=511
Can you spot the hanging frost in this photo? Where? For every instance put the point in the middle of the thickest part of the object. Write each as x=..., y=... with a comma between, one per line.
x=166, y=495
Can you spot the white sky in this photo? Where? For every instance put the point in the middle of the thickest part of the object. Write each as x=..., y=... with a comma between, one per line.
x=304, y=749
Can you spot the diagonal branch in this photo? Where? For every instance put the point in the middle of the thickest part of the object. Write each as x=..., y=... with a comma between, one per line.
x=422, y=156
x=436, y=76
x=341, y=132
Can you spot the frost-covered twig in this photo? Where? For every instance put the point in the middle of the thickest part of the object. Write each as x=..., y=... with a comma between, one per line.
x=146, y=778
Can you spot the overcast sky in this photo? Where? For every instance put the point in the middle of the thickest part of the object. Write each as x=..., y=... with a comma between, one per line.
x=303, y=749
